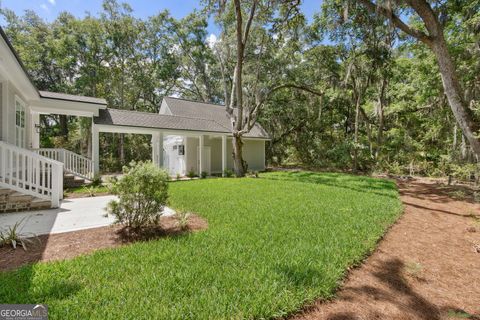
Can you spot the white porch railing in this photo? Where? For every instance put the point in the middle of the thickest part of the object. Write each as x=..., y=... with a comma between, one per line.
x=27, y=172
x=72, y=163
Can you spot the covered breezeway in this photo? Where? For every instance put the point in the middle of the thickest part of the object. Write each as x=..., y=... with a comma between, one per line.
x=177, y=150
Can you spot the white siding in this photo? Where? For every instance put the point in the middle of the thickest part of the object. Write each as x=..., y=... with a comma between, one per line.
x=253, y=154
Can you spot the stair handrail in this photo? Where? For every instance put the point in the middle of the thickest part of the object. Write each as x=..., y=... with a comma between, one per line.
x=30, y=173
x=74, y=163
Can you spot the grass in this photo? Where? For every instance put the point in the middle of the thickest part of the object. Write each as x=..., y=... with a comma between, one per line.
x=273, y=244
x=83, y=190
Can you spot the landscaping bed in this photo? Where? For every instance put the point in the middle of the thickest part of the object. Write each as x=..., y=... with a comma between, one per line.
x=68, y=245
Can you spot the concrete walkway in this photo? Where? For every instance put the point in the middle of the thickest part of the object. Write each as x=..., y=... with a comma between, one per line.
x=73, y=215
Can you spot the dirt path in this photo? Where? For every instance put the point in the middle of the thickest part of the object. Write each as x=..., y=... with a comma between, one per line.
x=426, y=267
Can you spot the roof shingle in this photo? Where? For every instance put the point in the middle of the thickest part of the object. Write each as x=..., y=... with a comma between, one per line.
x=119, y=117
x=71, y=97
x=202, y=110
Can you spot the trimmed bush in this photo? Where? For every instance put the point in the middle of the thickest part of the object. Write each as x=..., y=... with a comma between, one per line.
x=143, y=194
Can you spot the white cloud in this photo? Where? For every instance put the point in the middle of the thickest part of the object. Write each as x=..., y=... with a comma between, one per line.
x=52, y=2
x=44, y=7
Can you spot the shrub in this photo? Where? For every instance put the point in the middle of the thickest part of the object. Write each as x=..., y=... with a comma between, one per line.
x=227, y=173
x=182, y=219
x=96, y=181
x=12, y=236
x=252, y=174
x=191, y=174
x=203, y=175
x=142, y=192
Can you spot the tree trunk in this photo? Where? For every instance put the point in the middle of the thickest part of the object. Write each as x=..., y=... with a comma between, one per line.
x=63, y=126
x=355, y=137
x=381, y=121
x=238, y=163
x=453, y=91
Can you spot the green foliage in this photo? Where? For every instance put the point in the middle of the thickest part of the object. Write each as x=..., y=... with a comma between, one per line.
x=191, y=174
x=227, y=173
x=90, y=190
x=203, y=175
x=12, y=236
x=96, y=181
x=291, y=243
x=142, y=193
x=95, y=190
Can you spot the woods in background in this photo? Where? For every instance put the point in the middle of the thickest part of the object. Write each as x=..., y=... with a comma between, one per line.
x=357, y=93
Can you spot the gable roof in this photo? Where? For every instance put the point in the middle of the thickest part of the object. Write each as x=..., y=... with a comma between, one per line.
x=209, y=111
x=152, y=120
x=186, y=116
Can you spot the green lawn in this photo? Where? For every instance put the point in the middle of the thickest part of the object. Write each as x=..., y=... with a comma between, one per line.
x=273, y=244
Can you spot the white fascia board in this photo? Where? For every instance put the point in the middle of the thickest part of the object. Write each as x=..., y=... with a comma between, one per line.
x=69, y=108
x=145, y=130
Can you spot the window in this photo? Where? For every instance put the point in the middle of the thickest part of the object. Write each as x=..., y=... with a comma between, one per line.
x=19, y=123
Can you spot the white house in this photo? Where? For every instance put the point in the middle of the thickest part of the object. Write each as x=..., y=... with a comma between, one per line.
x=186, y=136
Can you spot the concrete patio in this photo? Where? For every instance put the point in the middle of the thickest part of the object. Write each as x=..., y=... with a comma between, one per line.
x=73, y=214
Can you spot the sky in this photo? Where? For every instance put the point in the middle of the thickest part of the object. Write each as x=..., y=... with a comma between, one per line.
x=49, y=9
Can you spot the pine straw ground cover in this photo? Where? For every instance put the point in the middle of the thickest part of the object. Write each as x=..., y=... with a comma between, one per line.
x=273, y=245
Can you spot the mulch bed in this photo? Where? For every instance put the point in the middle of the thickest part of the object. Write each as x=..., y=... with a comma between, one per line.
x=71, y=244
x=426, y=267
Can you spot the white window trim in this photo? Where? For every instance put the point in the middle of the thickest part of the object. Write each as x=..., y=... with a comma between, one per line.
x=20, y=131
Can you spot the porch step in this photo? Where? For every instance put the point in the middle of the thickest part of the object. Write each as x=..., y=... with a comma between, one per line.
x=72, y=181
x=11, y=201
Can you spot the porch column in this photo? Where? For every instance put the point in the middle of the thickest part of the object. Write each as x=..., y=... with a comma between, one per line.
x=224, y=154
x=34, y=130
x=200, y=155
x=95, y=148
x=157, y=149
x=160, y=150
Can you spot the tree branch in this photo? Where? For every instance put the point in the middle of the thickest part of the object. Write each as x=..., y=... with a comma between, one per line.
x=249, y=22
x=388, y=13
x=252, y=117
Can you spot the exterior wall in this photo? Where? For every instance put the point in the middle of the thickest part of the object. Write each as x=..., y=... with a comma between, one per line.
x=253, y=154
x=8, y=117
x=191, y=154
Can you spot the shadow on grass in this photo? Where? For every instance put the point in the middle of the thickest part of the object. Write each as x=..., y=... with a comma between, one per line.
x=345, y=181
x=22, y=281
